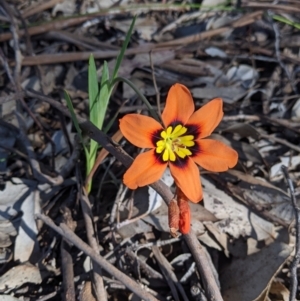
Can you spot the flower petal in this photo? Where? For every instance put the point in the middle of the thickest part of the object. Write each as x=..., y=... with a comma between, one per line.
x=140, y=130
x=207, y=118
x=214, y=155
x=145, y=169
x=179, y=105
x=187, y=178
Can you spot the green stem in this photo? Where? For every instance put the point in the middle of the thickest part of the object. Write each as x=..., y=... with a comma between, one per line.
x=136, y=90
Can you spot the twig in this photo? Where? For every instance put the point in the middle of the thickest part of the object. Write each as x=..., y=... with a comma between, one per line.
x=159, y=243
x=296, y=259
x=68, y=22
x=18, y=57
x=245, y=20
x=38, y=69
x=188, y=273
x=281, y=141
x=212, y=290
x=69, y=235
x=84, y=42
x=100, y=291
x=281, y=8
x=155, y=85
x=39, y=7
x=42, y=28
x=4, y=62
x=278, y=55
x=67, y=261
x=145, y=267
x=77, y=56
x=169, y=274
x=118, y=200
x=111, y=254
x=65, y=57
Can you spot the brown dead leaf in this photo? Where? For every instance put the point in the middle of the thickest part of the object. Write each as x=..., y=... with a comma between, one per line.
x=268, y=200
x=250, y=278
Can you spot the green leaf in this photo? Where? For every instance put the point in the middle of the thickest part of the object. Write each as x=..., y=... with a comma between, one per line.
x=286, y=21
x=74, y=119
x=136, y=90
x=123, y=49
x=93, y=89
x=98, y=110
x=73, y=115
x=104, y=95
x=99, y=96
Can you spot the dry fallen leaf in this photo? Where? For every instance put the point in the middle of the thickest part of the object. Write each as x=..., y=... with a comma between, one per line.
x=17, y=276
x=249, y=278
x=234, y=219
x=262, y=196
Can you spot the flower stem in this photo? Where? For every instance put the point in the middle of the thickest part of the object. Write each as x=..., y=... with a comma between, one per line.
x=136, y=90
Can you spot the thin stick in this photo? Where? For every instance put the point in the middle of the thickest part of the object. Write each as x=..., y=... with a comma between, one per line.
x=296, y=259
x=212, y=291
x=39, y=7
x=281, y=141
x=67, y=261
x=144, y=266
x=100, y=291
x=69, y=235
x=76, y=56
x=155, y=85
x=278, y=55
x=169, y=275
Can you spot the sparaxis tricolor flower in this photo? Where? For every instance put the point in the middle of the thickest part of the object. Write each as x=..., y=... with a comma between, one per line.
x=178, y=143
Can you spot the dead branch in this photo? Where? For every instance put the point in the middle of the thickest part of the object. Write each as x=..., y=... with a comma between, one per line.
x=100, y=291
x=69, y=235
x=39, y=7
x=277, y=7
x=169, y=274
x=67, y=261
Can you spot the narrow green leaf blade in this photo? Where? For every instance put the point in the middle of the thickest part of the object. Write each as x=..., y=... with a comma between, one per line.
x=73, y=115
x=104, y=95
x=123, y=49
x=93, y=89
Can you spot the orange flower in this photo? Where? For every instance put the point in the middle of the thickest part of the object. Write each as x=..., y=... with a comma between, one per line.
x=178, y=144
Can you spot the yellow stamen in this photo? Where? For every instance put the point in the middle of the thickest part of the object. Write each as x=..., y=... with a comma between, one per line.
x=174, y=144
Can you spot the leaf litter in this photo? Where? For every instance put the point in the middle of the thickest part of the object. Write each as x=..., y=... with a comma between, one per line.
x=246, y=222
